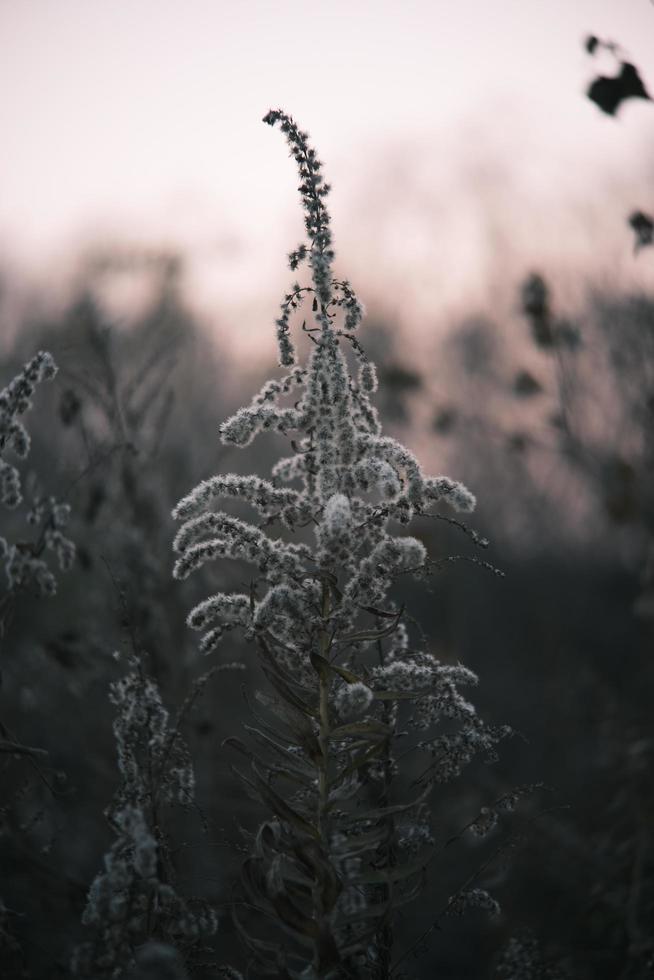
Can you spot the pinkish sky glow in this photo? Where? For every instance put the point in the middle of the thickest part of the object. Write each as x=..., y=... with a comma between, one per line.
x=455, y=134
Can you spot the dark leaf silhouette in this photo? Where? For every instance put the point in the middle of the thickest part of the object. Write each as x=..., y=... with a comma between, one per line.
x=643, y=228
x=536, y=307
x=567, y=335
x=592, y=43
x=518, y=442
x=609, y=92
x=69, y=406
x=445, y=420
x=399, y=377
x=525, y=385
x=620, y=490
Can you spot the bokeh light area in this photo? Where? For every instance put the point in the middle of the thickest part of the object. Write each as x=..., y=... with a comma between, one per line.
x=456, y=136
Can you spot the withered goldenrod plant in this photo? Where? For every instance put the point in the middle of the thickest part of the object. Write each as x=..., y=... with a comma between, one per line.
x=24, y=560
x=24, y=555
x=133, y=908
x=342, y=847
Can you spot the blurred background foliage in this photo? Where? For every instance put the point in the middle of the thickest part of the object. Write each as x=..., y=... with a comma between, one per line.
x=547, y=417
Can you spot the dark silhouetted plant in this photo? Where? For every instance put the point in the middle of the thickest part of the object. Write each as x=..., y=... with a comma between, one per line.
x=133, y=901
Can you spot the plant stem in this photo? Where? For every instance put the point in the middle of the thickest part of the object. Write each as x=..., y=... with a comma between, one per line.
x=323, y=779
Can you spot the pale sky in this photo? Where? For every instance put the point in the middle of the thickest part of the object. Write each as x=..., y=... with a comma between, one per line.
x=141, y=119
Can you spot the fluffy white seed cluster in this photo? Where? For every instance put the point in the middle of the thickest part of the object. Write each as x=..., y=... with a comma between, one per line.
x=268, y=500
x=436, y=683
x=216, y=534
x=335, y=530
x=346, y=479
x=284, y=605
x=368, y=381
x=324, y=610
x=351, y=700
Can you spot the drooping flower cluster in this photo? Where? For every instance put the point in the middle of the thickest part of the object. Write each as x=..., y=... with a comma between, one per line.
x=332, y=643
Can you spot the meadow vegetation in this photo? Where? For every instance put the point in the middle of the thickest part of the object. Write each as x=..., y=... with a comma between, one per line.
x=319, y=798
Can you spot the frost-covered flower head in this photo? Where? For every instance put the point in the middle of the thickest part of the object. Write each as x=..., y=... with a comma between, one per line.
x=345, y=478
x=326, y=544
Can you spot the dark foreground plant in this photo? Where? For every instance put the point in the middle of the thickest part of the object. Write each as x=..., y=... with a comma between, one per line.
x=24, y=560
x=355, y=705
x=133, y=901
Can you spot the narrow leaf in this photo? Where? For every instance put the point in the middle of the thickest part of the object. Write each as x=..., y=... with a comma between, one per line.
x=372, y=728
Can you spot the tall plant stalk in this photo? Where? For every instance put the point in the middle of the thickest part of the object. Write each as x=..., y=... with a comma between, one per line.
x=347, y=840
